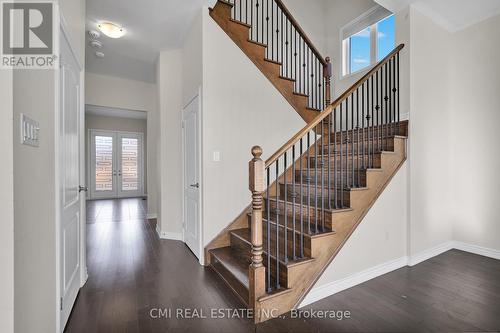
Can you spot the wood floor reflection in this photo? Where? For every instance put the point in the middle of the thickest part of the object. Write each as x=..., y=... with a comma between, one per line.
x=132, y=272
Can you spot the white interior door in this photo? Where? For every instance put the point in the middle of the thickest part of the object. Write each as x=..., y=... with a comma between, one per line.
x=116, y=164
x=191, y=162
x=69, y=194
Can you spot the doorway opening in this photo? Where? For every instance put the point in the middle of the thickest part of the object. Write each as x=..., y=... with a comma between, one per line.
x=116, y=153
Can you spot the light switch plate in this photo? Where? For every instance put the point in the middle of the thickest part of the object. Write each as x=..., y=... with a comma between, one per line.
x=30, y=131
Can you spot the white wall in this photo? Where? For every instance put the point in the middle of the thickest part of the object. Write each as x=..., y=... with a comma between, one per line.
x=429, y=144
x=241, y=109
x=104, y=90
x=35, y=228
x=114, y=92
x=6, y=205
x=312, y=17
x=475, y=85
x=170, y=97
x=192, y=60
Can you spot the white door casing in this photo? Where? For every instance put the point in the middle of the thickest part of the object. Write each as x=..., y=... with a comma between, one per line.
x=191, y=172
x=69, y=180
x=119, y=155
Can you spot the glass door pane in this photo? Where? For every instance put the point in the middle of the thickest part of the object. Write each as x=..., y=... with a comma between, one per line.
x=103, y=163
x=130, y=164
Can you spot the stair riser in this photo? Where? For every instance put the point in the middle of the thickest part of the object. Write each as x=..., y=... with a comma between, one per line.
x=311, y=193
x=370, y=132
x=372, y=161
x=238, y=288
x=344, y=178
x=240, y=245
x=292, y=224
x=308, y=213
x=245, y=248
x=350, y=148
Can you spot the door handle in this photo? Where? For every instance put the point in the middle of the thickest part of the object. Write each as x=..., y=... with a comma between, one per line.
x=197, y=185
x=82, y=189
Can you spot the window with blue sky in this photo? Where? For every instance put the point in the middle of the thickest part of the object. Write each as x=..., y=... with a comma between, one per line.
x=368, y=46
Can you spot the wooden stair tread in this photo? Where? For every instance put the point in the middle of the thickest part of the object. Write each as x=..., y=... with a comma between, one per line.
x=245, y=235
x=325, y=187
x=233, y=262
x=241, y=23
x=281, y=220
x=337, y=210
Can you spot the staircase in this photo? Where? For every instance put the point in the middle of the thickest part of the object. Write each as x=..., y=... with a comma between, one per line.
x=311, y=194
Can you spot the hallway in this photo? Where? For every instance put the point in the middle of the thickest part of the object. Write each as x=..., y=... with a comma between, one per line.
x=132, y=271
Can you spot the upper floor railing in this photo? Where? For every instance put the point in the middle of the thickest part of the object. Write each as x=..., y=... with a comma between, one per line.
x=271, y=24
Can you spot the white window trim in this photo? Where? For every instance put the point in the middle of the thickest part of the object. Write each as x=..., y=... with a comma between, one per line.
x=369, y=19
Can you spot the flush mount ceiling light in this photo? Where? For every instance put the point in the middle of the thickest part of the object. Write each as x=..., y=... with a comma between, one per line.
x=111, y=29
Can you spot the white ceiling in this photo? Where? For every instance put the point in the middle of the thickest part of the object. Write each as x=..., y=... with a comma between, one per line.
x=454, y=15
x=152, y=26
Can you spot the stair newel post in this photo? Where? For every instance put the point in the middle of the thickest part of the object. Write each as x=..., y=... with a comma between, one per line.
x=327, y=73
x=257, y=271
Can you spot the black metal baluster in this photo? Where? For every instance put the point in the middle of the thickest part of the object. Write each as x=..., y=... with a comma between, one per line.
x=389, y=93
x=293, y=198
x=272, y=30
x=329, y=162
x=357, y=134
x=377, y=107
x=286, y=49
x=341, y=159
x=335, y=150
x=285, y=248
x=398, y=89
x=386, y=100
x=316, y=180
x=308, y=179
x=372, y=108
x=267, y=30
x=251, y=18
x=282, y=47
x=268, y=240
x=352, y=138
x=276, y=182
x=346, y=116
x=256, y=19
x=301, y=201
x=363, y=87
x=295, y=60
x=322, y=173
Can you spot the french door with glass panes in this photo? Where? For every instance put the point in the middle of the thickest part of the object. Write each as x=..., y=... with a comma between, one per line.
x=116, y=164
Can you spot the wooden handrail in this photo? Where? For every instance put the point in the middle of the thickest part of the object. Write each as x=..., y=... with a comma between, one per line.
x=319, y=118
x=301, y=31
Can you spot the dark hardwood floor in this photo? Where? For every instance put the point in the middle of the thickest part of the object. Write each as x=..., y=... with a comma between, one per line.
x=132, y=274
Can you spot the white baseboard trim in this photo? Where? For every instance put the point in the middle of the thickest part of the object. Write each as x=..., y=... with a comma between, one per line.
x=429, y=253
x=152, y=216
x=337, y=286
x=170, y=235
x=476, y=249
x=334, y=287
